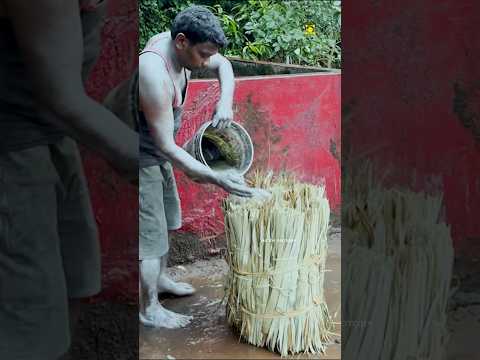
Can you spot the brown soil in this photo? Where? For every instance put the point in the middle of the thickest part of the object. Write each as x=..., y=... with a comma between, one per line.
x=106, y=331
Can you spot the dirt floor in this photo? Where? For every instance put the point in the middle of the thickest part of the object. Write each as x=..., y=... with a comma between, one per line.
x=209, y=336
x=464, y=313
x=106, y=331
x=110, y=330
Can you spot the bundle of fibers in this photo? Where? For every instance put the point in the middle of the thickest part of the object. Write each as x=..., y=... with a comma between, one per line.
x=226, y=150
x=399, y=256
x=276, y=254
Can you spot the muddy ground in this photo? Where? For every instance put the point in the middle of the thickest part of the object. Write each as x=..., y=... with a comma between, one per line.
x=464, y=310
x=209, y=336
x=106, y=331
x=110, y=330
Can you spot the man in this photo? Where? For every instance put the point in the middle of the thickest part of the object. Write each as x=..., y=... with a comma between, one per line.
x=49, y=249
x=165, y=67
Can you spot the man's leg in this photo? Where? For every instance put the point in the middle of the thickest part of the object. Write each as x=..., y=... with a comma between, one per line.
x=153, y=246
x=166, y=284
x=79, y=242
x=33, y=295
x=173, y=216
x=74, y=310
x=152, y=313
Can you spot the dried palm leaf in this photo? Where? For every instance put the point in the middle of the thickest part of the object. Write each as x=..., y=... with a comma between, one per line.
x=276, y=254
x=399, y=254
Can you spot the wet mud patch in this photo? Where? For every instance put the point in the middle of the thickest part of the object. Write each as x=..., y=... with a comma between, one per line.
x=186, y=248
x=106, y=331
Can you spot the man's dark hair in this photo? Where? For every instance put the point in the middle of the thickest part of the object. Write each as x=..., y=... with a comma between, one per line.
x=199, y=25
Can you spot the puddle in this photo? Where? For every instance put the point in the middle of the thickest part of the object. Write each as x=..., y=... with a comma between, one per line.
x=209, y=336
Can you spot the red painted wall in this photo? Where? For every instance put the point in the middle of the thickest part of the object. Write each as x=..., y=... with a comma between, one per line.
x=114, y=201
x=414, y=98
x=294, y=122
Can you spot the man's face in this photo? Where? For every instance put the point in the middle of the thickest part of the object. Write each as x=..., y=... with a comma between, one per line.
x=196, y=56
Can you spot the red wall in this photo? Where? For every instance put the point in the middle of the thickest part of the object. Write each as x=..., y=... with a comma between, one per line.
x=115, y=202
x=294, y=122
x=412, y=88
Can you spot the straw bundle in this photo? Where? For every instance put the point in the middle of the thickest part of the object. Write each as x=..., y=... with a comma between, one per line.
x=399, y=256
x=276, y=254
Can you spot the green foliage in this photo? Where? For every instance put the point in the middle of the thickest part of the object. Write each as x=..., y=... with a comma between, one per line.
x=270, y=30
x=155, y=16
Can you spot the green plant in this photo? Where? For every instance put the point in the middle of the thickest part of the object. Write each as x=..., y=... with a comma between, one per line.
x=271, y=30
x=277, y=31
x=232, y=28
x=155, y=16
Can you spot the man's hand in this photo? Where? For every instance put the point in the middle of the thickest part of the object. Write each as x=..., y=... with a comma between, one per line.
x=222, y=117
x=235, y=184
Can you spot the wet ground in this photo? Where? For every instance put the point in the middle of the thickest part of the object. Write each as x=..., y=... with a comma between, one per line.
x=110, y=330
x=464, y=326
x=464, y=314
x=209, y=336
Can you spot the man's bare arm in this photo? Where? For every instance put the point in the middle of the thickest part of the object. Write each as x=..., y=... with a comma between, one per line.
x=49, y=34
x=223, y=111
x=156, y=94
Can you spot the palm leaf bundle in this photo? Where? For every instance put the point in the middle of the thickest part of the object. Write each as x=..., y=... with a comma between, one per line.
x=399, y=254
x=276, y=254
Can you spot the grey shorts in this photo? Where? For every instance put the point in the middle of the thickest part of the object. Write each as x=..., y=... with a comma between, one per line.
x=49, y=248
x=159, y=210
